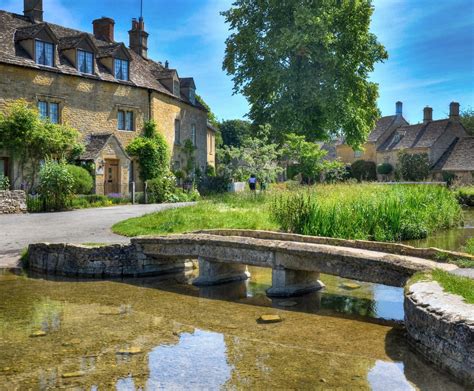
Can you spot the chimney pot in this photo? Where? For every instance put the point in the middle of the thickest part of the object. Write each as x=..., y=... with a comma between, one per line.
x=454, y=111
x=138, y=37
x=33, y=9
x=104, y=29
x=427, y=114
x=167, y=64
x=399, y=108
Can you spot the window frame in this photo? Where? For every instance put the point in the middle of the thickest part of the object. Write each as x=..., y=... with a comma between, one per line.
x=48, y=115
x=37, y=55
x=121, y=62
x=358, y=153
x=125, y=120
x=193, y=135
x=177, y=131
x=86, y=54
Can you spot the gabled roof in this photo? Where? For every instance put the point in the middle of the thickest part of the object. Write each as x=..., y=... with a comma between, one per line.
x=141, y=70
x=96, y=143
x=445, y=156
x=461, y=157
x=381, y=127
x=74, y=41
x=31, y=32
x=113, y=50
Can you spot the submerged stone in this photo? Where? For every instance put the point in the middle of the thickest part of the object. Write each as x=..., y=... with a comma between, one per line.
x=287, y=303
x=131, y=351
x=269, y=319
x=69, y=375
x=350, y=285
x=38, y=333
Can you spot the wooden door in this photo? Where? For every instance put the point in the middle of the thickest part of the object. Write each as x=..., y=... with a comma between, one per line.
x=111, y=184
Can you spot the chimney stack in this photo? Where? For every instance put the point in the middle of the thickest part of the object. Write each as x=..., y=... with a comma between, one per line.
x=33, y=9
x=139, y=37
x=454, y=111
x=104, y=29
x=399, y=108
x=427, y=114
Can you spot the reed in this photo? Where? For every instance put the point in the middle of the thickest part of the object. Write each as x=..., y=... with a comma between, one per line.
x=367, y=211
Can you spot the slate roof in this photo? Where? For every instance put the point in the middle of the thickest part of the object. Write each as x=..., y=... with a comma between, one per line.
x=461, y=157
x=416, y=136
x=14, y=27
x=444, y=157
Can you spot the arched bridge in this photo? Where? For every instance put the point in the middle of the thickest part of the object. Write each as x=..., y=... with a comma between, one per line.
x=296, y=261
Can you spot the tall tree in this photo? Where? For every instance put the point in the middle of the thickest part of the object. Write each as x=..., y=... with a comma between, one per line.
x=304, y=65
x=235, y=131
x=467, y=119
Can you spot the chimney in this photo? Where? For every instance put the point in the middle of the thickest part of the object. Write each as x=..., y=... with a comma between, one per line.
x=33, y=9
x=399, y=109
x=139, y=38
x=427, y=114
x=454, y=111
x=104, y=29
x=167, y=64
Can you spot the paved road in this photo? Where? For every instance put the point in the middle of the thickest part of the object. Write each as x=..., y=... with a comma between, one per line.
x=78, y=226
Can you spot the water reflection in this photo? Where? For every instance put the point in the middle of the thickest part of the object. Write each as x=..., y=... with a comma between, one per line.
x=388, y=376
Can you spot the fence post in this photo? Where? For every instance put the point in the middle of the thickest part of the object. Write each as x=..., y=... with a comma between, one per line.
x=133, y=193
x=146, y=193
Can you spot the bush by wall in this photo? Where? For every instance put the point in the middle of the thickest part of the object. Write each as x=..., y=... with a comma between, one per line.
x=414, y=167
x=213, y=185
x=83, y=181
x=56, y=186
x=384, y=169
x=363, y=170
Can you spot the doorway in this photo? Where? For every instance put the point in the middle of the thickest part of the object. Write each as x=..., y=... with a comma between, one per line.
x=112, y=183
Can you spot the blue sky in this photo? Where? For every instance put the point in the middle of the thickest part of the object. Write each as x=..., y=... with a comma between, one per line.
x=430, y=43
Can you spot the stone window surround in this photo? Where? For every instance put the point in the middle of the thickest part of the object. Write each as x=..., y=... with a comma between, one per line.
x=60, y=101
x=134, y=109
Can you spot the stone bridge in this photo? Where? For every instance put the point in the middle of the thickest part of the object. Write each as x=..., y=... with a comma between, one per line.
x=296, y=261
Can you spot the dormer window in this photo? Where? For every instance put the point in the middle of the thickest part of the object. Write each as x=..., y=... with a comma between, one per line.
x=176, y=87
x=121, y=69
x=44, y=53
x=85, y=61
x=192, y=96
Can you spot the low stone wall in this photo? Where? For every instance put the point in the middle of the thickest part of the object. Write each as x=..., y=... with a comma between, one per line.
x=440, y=326
x=12, y=202
x=433, y=254
x=99, y=262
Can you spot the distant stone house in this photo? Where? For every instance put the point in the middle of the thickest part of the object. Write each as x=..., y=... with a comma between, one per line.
x=100, y=87
x=444, y=141
x=384, y=127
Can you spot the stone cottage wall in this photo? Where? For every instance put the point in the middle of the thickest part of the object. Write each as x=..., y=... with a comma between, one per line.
x=12, y=202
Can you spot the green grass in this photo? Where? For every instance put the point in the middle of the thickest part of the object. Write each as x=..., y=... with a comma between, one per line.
x=457, y=285
x=465, y=195
x=349, y=211
x=469, y=248
x=245, y=211
x=367, y=211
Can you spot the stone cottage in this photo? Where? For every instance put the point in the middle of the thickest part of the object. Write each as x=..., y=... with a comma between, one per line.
x=102, y=88
x=445, y=141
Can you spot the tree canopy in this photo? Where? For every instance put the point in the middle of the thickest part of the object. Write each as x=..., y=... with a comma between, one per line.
x=304, y=65
x=235, y=131
x=467, y=119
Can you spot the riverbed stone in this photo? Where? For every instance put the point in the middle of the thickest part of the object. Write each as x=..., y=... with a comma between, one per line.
x=269, y=319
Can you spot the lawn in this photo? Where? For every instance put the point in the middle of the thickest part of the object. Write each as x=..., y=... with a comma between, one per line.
x=226, y=211
x=350, y=211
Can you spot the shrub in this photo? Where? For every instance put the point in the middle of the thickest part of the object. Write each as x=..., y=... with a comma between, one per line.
x=470, y=246
x=161, y=189
x=414, y=167
x=83, y=181
x=384, y=169
x=4, y=182
x=56, y=185
x=213, y=185
x=152, y=152
x=364, y=170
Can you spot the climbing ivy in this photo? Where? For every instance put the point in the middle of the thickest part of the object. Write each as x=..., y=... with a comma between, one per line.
x=152, y=152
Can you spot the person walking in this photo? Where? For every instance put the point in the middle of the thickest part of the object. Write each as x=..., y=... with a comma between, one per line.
x=253, y=182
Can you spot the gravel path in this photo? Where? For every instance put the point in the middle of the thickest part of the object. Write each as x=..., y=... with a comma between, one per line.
x=78, y=226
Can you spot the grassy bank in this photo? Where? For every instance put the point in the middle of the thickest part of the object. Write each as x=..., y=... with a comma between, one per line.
x=365, y=211
x=461, y=286
x=227, y=211
x=368, y=212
